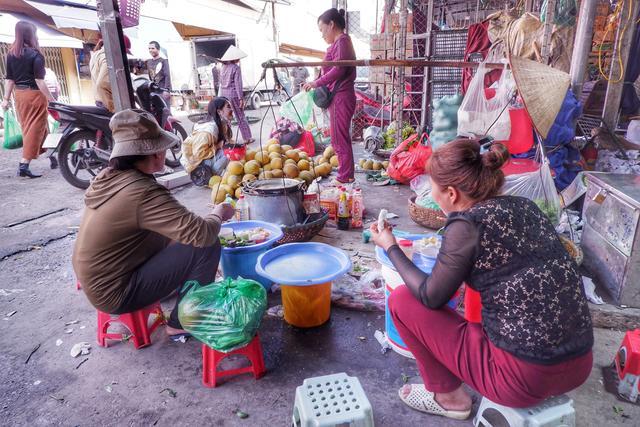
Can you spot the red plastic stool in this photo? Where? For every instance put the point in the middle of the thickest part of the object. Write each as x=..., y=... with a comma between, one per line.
x=136, y=322
x=211, y=359
x=78, y=285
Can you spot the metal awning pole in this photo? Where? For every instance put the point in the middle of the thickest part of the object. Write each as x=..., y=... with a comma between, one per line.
x=112, y=37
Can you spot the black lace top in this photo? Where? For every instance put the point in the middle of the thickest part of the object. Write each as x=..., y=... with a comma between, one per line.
x=533, y=303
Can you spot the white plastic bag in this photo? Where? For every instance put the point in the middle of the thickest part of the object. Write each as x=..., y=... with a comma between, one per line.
x=477, y=114
x=537, y=186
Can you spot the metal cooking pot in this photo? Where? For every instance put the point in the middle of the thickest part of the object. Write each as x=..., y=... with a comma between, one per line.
x=278, y=201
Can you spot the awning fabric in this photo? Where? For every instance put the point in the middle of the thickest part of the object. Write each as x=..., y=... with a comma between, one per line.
x=69, y=16
x=47, y=37
x=291, y=49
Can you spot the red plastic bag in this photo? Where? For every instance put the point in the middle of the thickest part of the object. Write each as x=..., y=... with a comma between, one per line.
x=306, y=144
x=409, y=159
x=235, y=151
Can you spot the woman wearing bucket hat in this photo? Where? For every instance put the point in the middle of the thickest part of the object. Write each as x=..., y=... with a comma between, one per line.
x=137, y=244
x=231, y=88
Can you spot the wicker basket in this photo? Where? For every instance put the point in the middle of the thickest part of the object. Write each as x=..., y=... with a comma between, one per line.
x=429, y=218
x=574, y=250
x=304, y=232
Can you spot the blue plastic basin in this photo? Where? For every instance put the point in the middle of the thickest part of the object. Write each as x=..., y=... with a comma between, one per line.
x=300, y=264
x=242, y=261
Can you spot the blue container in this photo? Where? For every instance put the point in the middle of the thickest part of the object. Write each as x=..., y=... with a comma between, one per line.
x=392, y=281
x=242, y=261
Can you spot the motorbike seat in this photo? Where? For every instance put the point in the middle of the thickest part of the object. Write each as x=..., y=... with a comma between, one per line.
x=90, y=109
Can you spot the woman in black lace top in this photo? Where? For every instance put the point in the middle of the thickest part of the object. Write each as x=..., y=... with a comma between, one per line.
x=536, y=336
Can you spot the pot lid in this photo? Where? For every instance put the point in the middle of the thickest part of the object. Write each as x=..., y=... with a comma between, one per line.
x=275, y=185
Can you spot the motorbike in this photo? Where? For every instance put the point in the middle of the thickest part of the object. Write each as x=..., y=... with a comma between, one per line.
x=84, y=144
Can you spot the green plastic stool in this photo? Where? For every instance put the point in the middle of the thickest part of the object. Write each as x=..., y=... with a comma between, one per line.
x=332, y=400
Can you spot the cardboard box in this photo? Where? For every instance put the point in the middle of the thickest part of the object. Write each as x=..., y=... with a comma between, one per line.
x=603, y=9
x=600, y=23
x=395, y=22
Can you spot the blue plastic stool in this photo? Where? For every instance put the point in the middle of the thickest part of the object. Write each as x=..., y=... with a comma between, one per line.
x=332, y=400
x=556, y=411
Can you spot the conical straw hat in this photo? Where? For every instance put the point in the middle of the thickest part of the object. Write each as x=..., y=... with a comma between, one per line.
x=543, y=90
x=232, y=54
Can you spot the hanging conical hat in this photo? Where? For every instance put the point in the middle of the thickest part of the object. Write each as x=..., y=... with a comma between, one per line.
x=542, y=88
x=232, y=54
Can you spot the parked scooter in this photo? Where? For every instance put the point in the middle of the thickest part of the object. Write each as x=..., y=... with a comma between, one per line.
x=84, y=144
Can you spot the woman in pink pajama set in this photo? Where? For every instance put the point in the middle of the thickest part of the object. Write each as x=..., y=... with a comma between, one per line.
x=340, y=81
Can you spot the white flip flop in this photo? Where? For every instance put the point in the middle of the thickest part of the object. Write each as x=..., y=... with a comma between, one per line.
x=423, y=400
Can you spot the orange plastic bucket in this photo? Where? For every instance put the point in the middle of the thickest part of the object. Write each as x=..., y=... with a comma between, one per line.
x=306, y=306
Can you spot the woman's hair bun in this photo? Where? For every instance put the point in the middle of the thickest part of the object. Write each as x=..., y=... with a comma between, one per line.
x=342, y=12
x=496, y=157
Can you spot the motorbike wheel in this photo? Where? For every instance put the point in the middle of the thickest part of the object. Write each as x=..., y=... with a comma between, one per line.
x=174, y=154
x=76, y=168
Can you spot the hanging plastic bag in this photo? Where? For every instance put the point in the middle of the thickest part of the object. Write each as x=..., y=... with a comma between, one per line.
x=12, y=131
x=299, y=108
x=564, y=15
x=224, y=315
x=537, y=186
x=481, y=116
x=409, y=159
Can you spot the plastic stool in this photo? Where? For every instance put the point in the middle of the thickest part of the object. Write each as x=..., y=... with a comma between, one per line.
x=556, y=411
x=211, y=359
x=136, y=322
x=332, y=400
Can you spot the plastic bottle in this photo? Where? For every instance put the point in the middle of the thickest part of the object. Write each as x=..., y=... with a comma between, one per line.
x=357, y=208
x=229, y=200
x=343, y=211
x=242, y=209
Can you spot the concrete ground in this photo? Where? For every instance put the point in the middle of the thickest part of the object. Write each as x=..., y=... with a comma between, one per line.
x=41, y=384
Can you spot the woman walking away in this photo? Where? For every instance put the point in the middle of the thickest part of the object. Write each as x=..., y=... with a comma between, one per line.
x=25, y=74
x=231, y=88
x=137, y=244
x=536, y=336
x=340, y=81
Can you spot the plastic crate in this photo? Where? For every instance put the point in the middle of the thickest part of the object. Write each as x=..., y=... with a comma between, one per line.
x=439, y=89
x=448, y=43
x=448, y=74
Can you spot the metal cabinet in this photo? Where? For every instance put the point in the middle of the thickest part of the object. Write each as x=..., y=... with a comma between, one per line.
x=611, y=235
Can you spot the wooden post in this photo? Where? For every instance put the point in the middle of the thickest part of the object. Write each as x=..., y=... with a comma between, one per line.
x=112, y=37
x=425, y=80
x=582, y=45
x=548, y=31
x=621, y=47
x=402, y=45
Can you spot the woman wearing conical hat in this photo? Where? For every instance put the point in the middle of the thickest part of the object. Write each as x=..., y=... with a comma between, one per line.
x=231, y=88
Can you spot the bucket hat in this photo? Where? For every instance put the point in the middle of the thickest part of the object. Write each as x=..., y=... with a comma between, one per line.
x=542, y=88
x=233, y=54
x=136, y=133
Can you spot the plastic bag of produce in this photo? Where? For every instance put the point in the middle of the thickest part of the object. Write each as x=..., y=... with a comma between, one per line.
x=299, y=108
x=409, y=159
x=224, y=315
x=537, y=186
x=12, y=131
x=479, y=116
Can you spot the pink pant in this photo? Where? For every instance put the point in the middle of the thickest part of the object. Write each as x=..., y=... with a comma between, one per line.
x=340, y=114
x=450, y=350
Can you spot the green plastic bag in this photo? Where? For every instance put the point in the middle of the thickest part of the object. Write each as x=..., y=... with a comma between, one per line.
x=224, y=315
x=299, y=108
x=12, y=131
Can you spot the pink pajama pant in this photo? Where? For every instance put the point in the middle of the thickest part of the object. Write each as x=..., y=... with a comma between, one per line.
x=450, y=350
x=341, y=112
